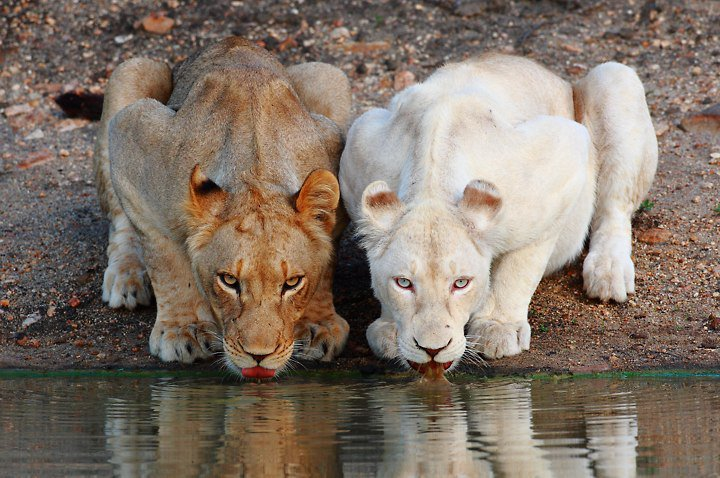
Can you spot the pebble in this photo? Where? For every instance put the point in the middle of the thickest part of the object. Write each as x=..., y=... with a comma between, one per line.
x=340, y=32
x=120, y=39
x=35, y=134
x=157, y=23
x=403, y=79
x=654, y=236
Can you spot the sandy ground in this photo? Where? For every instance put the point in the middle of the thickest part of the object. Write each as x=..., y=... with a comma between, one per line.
x=53, y=237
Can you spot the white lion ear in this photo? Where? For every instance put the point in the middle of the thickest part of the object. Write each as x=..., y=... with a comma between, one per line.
x=480, y=203
x=380, y=209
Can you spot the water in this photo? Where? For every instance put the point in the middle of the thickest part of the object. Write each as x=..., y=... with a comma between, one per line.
x=206, y=426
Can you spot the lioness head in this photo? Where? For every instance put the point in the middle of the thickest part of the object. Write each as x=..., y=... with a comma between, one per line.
x=258, y=256
x=429, y=268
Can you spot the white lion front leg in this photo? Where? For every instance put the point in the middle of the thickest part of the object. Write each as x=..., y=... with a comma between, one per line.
x=501, y=327
x=610, y=102
x=382, y=337
x=125, y=283
x=185, y=328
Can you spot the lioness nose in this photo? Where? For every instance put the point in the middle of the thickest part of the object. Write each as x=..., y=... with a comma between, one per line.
x=432, y=352
x=258, y=358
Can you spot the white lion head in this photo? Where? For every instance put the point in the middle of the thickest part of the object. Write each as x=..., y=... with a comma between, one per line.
x=430, y=268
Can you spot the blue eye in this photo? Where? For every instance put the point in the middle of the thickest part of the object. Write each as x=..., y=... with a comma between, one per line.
x=403, y=282
x=461, y=283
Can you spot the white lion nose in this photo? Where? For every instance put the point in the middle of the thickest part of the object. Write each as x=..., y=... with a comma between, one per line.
x=432, y=352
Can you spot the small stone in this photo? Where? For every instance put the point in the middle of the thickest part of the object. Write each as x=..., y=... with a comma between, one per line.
x=157, y=23
x=120, y=39
x=654, y=236
x=713, y=322
x=709, y=343
x=35, y=134
x=36, y=158
x=696, y=200
x=696, y=71
x=51, y=311
x=15, y=110
x=74, y=302
x=31, y=319
x=64, y=153
x=706, y=121
x=403, y=79
x=340, y=32
x=638, y=335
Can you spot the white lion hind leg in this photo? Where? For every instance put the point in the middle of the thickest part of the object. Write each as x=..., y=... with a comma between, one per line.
x=610, y=102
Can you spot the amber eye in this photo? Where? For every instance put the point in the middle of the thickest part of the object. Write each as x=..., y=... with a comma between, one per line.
x=404, y=283
x=229, y=280
x=461, y=283
x=293, y=283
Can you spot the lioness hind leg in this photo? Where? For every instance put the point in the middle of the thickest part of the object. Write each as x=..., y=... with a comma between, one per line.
x=185, y=329
x=610, y=102
x=323, y=89
x=321, y=332
x=125, y=283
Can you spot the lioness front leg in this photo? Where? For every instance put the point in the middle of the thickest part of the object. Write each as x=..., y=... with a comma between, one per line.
x=321, y=331
x=610, y=102
x=185, y=329
x=501, y=327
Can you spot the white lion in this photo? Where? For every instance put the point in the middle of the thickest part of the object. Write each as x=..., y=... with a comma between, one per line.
x=472, y=186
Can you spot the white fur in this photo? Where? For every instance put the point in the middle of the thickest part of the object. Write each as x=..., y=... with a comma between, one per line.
x=502, y=129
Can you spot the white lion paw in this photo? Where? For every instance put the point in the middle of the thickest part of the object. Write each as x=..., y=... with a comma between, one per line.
x=495, y=339
x=609, y=273
x=322, y=339
x=126, y=283
x=182, y=340
x=382, y=338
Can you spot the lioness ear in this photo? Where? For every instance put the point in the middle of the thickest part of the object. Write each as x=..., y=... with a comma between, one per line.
x=380, y=208
x=318, y=198
x=206, y=199
x=480, y=202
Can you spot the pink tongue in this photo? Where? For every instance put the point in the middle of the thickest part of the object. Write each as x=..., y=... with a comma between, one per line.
x=258, y=372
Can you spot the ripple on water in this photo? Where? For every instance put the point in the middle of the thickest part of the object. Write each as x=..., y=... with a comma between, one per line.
x=307, y=427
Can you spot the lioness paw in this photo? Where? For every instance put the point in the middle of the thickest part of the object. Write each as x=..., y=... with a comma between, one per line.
x=126, y=283
x=182, y=340
x=322, y=339
x=382, y=338
x=609, y=273
x=495, y=339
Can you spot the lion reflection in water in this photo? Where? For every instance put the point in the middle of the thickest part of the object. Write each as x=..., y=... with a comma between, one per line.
x=497, y=429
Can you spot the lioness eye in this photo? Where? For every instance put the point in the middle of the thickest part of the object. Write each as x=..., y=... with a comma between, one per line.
x=403, y=282
x=461, y=283
x=229, y=280
x=292, y=283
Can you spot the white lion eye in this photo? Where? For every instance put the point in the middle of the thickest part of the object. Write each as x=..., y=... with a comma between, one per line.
x=461, y=283
x=403, y=282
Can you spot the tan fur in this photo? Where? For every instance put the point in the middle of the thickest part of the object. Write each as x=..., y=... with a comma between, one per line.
x=235, y=176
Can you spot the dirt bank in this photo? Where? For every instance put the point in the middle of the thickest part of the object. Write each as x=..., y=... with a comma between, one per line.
x=52, y=236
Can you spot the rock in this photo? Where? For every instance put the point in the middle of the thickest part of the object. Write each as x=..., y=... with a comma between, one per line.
x=713, y=322
x=15, y=110
x=120, y=39
x=403, y=79
x=35, y=134
x=340, y=32
x=654, y=236
x=157, y=23
x=36, y=158
x=706, y=121
x=31, y=319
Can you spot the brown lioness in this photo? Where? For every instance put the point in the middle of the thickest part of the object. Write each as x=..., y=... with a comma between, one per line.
x=227, y=196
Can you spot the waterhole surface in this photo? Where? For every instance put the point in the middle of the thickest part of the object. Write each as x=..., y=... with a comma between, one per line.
x=104, y=425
